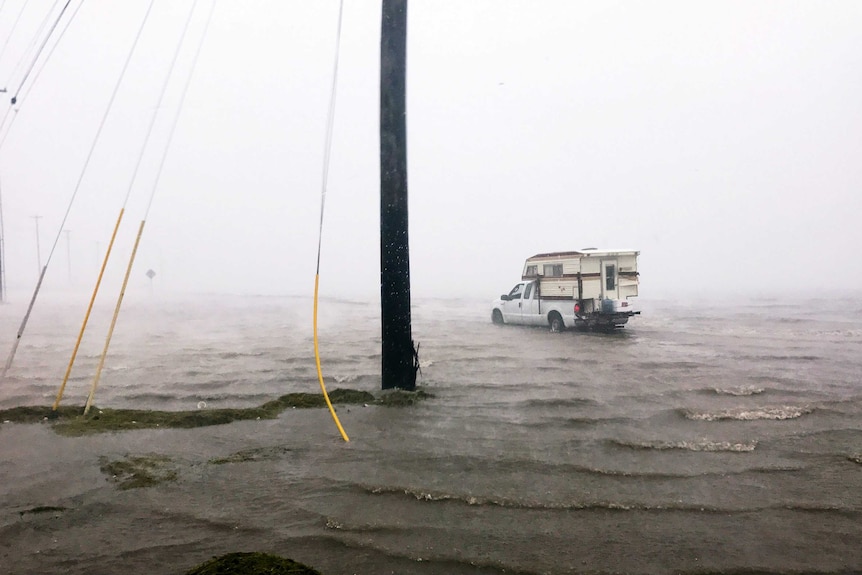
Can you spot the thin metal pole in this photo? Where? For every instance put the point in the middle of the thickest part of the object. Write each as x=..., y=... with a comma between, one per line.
x=23, y=324
x=68, y=253
x=38, y=249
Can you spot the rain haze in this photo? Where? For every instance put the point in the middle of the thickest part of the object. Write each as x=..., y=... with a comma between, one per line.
x=720, y=139
x=712, y=427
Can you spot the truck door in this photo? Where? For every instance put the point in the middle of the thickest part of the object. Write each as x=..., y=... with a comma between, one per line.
x=530, y=305
x=511, y=308
x=610, y=281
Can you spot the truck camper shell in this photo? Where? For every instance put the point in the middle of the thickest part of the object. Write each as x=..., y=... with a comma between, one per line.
x=586, y=274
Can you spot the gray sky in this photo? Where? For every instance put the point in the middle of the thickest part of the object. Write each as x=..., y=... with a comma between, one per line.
x=721, y=139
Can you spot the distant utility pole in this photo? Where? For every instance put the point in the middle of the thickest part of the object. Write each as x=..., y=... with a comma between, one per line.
x=2, y=255
x=400, y=361
x=68, y=253
x=38, y=249
x=151, y=274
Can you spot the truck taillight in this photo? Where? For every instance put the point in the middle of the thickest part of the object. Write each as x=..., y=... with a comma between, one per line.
x=577, y=308
x=624, y=304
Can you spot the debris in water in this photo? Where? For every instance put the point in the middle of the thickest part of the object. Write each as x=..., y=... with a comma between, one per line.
x=139, y=471
x=252, y=564
x=42, y=509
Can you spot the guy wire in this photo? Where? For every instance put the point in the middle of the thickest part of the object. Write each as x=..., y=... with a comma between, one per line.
x=326, y=155
x=131, y=263
x=12, y=31
x=74, y=195
x=39, y=51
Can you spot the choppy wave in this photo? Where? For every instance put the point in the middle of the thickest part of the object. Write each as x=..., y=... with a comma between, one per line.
x=590, y=421
x=748, y=414
x=669, y=364
x=471, y=500
x=696, y=445
x=495, y=359
x=741, y=390
x=780, y=357
x=239, y=354
x=586, y=505
x=559, y=402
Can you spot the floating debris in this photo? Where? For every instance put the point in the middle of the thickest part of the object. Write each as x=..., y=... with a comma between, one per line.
x=252, y=564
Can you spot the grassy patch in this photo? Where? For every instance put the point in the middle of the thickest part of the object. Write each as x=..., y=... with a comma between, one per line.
x=68, y=420
x=401, y=398
x=36, y=413
x=98, y=421
x=252, y=564
x=139, y=471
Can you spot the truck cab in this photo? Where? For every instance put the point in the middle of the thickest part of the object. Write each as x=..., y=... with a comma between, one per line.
x=521, y=306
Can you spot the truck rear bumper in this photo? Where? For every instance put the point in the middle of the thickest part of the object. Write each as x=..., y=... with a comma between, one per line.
x=603, y=320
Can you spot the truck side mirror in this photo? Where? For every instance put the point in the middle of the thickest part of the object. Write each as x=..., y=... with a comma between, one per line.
x=504, y=297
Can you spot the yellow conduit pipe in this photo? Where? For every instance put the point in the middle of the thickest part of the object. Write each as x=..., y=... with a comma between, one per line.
x=113, y=321
x=317, y=361
x=89, y=309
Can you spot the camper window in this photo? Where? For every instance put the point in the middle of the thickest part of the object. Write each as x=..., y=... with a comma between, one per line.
x=553, y=270
x=610, y=277
x=531, y=271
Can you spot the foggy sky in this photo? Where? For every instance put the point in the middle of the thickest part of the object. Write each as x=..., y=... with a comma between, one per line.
x=721, y=139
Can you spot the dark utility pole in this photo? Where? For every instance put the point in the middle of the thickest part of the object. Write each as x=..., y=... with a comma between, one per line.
x=399, y=357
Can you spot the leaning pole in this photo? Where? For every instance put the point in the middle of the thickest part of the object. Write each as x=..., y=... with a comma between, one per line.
x=399, y=356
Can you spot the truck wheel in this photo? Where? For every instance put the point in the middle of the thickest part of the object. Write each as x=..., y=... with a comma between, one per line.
x=556, y=322
x=497, y=317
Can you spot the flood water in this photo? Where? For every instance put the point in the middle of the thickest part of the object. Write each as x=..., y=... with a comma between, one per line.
x=704, y=437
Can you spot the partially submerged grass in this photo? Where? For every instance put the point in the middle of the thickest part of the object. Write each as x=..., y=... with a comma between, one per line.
x=401, y=398
x=124, y=419
x=252, y=564
x=42, y=509
x=68, y=420
x=139, y=471
x=36, y=413
x=257, y=454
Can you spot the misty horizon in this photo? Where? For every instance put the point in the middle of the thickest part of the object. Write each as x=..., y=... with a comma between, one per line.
x=719, y=139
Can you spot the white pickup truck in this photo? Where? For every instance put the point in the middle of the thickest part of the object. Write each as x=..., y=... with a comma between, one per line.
x=586, y=289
